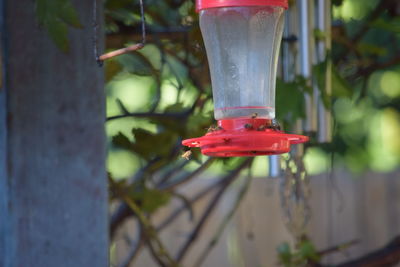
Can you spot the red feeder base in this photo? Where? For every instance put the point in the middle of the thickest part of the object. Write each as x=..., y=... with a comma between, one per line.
x=244, y=138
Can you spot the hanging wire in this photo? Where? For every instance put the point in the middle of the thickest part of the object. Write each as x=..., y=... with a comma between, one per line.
x=95, y=33
x=101, y=58
x=143, y=21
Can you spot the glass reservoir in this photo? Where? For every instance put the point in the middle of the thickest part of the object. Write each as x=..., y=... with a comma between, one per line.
x=242, y=46
x=242, y=39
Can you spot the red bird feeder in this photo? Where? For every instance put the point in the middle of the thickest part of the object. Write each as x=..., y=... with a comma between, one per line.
x=242, y=39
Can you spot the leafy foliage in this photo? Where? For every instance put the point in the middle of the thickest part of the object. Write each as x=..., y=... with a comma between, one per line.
x=149, y=199
x=303, y=255
x=56, y=16
x=181, y=99
x=290, y=100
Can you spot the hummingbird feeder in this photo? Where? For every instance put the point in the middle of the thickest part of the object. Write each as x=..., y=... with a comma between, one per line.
x=242, y=40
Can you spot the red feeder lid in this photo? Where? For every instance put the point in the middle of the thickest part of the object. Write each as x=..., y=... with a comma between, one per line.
x=244, y=137
x=204, y=4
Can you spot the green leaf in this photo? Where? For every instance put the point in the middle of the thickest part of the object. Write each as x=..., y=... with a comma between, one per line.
x=366, y=48
x=340, y=87
x=121, y=141
x=68, y=14
x=136, y=63
x=112, y=4
x=58, y=31
x=174, y=108
x=149, y=145
x=392, y=26
x=172, y=123
x=42, y=11
x=124, y=15
x=319, y=35
x=290, y=100
x=337, y=2
x=198, y=124
x=197, y=120
x=319, y=71
x=150, y=200
x=55, y=16
x=307, y=251
x=285, y=254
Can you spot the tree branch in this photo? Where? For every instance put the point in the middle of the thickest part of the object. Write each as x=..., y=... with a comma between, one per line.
x=135, y=248
x=227, y=180
x=125, y=50
x=118, y=217
x=387, y=256
x=149, y=115
x=382, y=6
x=214, y=240
x=186, y=203
x=121, y=51
x=187, y=178
x=123, y=211
x=155, y=245
x=374, y=67
x=207, y=190
x=168, y=175
x=338, y=248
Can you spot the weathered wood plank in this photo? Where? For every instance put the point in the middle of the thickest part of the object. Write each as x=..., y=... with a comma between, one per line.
x=343, y=209
x=55, y=148
x=4, y=223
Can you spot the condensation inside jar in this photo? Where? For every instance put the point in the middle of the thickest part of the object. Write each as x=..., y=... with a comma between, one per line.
x=242, y=46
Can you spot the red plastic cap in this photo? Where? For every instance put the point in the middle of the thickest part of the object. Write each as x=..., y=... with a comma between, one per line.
x=204, y=4
x=244, y=138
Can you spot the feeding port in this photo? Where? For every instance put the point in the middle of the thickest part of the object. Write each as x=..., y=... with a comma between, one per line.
x=242, y=40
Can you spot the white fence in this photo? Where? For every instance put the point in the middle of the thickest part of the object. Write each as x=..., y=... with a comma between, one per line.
x=366, y=208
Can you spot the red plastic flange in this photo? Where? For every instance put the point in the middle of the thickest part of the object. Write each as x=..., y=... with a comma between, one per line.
x=244, y=138
x=204, y=4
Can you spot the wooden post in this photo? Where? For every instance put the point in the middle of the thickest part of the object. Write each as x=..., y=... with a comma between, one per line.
x=53, y=186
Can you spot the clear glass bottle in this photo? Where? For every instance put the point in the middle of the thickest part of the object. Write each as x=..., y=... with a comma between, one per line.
x=242, y=46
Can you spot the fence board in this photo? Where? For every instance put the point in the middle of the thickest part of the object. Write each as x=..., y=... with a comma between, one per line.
x=365, y=208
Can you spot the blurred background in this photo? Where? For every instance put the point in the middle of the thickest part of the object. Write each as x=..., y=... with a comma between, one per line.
x=334, y=201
